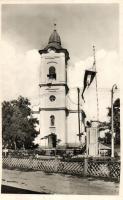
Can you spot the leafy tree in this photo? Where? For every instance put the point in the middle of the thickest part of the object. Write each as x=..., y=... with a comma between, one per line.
x=104, y=126
x=107, y=138
x=18, y=125
x=107, y=125
x=116, y=117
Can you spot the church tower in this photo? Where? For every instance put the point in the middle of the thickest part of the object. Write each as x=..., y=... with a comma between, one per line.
x=53, y=91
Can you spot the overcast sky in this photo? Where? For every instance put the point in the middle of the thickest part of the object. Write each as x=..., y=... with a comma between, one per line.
x=26, y=29
x=80, y=26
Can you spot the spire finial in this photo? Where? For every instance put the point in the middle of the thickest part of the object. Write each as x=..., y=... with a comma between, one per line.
x=94, y=55
x=54, y=26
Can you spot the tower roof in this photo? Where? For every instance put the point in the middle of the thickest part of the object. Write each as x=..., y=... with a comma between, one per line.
x=55, y=43
x=55, y=38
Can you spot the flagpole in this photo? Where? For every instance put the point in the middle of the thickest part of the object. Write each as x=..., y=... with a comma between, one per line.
x=94, y=64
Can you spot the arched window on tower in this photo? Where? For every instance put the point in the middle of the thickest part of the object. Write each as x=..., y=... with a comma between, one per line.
x=52, y=120
x=52, y=73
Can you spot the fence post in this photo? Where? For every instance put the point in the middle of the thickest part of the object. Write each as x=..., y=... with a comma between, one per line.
x=85, y=166
x=56, y=164
x=30, y=162
x=9, y=161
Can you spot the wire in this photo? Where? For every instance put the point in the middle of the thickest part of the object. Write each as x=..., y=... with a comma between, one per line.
x=67, y=96
x=73, y=101
x=90, y=88
x=74, y=88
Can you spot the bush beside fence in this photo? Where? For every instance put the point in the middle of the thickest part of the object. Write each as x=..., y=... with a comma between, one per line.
x=92, y=168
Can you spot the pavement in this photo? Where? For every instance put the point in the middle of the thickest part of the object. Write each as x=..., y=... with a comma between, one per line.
x=45, y=183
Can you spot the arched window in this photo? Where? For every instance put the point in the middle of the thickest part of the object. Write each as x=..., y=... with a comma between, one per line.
x=52, y=120
x=52, y=73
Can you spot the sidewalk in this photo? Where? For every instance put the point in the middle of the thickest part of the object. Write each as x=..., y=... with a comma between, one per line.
x=39, y=181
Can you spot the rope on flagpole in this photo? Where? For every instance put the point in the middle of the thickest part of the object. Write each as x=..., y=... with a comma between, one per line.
x=94, y=64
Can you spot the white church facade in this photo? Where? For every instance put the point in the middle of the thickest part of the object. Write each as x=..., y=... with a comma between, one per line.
x=53, y=92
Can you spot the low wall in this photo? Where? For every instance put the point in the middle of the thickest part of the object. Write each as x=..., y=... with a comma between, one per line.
x=87, y=167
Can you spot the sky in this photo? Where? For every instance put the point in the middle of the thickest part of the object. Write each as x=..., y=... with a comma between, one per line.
x=26, y=29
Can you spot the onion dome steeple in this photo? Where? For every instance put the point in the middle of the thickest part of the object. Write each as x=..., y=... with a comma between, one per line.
x=54, y=43
x=55, y=38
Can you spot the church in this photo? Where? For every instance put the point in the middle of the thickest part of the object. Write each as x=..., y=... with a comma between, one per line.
x=54, y=114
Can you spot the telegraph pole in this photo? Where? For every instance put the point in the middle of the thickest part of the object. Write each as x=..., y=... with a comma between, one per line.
x=78, y=90
x=112, y=120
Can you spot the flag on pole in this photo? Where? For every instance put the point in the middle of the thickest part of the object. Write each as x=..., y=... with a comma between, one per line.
x=88, y=78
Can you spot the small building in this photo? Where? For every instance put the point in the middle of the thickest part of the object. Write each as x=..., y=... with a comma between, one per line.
x=104, y=150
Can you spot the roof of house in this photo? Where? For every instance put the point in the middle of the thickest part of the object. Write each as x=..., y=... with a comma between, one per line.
x=102, y=146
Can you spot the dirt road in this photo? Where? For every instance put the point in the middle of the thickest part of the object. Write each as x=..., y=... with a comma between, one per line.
x=39, y=181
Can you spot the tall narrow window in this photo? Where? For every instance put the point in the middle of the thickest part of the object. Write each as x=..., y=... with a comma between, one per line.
x=52, y=120
x=52, y=73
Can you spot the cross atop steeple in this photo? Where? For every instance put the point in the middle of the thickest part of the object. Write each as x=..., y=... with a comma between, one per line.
x=54, y=43
x=54, y=26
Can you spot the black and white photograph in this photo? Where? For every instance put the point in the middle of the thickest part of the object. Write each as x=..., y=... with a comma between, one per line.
x=60, y=98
